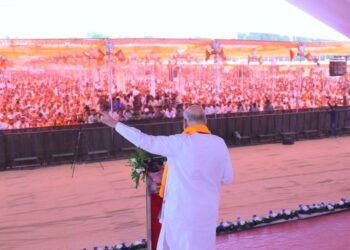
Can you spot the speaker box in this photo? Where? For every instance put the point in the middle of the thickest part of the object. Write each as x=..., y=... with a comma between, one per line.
x=337, y=68
x=288, y=141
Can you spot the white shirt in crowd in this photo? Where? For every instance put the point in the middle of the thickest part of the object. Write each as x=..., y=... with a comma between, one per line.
x=3, y=125
x=19, y=124
x=209, y=110
x=170, y=113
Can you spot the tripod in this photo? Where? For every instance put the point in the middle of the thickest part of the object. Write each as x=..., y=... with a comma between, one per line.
x=76, y=152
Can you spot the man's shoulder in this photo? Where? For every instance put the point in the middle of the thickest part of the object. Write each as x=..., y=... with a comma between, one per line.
x=210, y=137
x=219, y=139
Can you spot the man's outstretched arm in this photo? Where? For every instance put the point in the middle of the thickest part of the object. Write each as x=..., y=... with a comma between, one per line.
x=160, y=145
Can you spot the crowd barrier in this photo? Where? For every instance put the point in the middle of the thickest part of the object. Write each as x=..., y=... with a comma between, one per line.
x=54, y=145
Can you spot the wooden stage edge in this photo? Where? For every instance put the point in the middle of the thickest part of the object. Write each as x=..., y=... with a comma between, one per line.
x=47, y=209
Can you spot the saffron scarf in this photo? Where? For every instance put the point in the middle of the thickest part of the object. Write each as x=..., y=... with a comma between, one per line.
x=199, y=128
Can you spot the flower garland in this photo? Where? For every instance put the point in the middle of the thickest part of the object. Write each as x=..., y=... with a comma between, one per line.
x=142, y=244
x=304, y=211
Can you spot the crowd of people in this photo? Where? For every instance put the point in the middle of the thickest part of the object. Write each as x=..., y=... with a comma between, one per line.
x=37, y=99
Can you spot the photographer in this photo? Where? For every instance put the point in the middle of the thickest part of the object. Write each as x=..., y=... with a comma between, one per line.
x=333, y=116
x=268, y=106
x=93, y=117
x=240, y=107
x=253, y=108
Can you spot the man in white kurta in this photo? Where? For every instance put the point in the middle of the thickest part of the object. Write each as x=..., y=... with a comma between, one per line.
x=198, y=165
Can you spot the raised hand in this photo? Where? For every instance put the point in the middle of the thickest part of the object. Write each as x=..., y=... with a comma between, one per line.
x=108, y=120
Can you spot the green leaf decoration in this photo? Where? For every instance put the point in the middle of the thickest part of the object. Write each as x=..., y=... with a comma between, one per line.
x=138, y=166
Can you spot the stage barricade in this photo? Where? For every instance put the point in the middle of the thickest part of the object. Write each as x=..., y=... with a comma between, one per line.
x=310, y=125
x=244, y=125
x=278, y=124
x=162, y=128
x=347, y=117
x=218, y=127
x=97, y=143
x=297, y=123
x=314, y=121
x=239, y=125
x=255, y=127
x=341, y=120
x=346, y=127
x=177, y=127
x=289, y=127
x=60, y=145
x=52, y=145
x=221, y=127
x=297, y=120
x=2, y=152
x=247, y=125
x=148, y=129
x=124, y=145
x=293, y=122
x=230, y=132
x=25, y=149
x=286, y=124
x=324, y=122
x=267, y=128
x=263, y=121
x=271, y=126
x=117, y=145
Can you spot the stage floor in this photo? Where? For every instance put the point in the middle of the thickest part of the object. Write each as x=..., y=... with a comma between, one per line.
x=47, y=209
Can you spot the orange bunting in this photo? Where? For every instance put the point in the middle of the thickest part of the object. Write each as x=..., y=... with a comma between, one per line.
x=261, y=60
x=309, y=57
x=100, y=55
x=254, y=58
x=120, y=55
x=207, y=55
x=222, y=54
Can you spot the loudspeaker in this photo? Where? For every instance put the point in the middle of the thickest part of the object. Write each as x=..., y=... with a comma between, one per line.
x=337, y=68
x=288, y=141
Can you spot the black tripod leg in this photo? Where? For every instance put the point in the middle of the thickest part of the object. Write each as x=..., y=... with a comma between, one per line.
x=101, y=165
x=76, y=153
x=73, y=166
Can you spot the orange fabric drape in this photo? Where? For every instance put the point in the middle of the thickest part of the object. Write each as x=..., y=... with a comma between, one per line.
x=199, y=128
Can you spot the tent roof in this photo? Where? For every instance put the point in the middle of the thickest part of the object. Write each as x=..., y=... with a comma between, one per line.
x=21, y=49
x=334, y=13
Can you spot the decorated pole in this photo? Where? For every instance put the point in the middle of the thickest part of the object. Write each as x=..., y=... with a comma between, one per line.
x=300, y=54
x=346, y=85
x=273, y=63
x=109, y=47
x=241, y=77
x=299, y=85
x=215, y=46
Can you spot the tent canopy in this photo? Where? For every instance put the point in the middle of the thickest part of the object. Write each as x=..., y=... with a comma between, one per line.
x=334, y=13
x=18, y=50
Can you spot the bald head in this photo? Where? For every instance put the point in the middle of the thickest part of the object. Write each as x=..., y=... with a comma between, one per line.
x=194, y=114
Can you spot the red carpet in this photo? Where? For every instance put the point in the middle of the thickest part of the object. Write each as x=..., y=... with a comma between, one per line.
x=329, y=232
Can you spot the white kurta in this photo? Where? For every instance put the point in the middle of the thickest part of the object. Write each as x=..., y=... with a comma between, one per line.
x=198, y=165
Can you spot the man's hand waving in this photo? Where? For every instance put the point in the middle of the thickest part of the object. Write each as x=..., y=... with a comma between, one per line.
x=108, y=120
